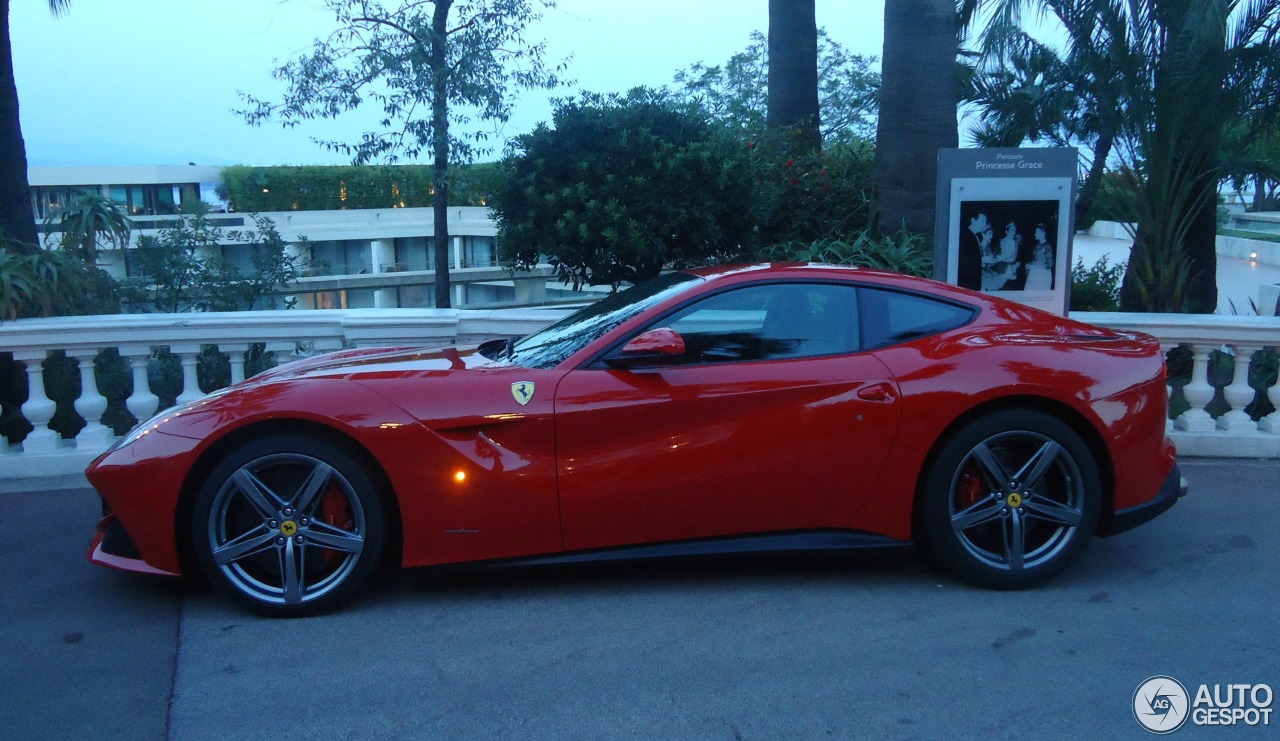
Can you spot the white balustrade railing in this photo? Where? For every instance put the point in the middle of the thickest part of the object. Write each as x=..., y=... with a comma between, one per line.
x=1197, y=431
x=136, y=337
x=45, y=452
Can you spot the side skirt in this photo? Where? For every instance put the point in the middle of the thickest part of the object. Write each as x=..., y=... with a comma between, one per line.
x=808, y=540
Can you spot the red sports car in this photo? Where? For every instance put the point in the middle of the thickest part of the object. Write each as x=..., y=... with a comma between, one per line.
x=718, y=410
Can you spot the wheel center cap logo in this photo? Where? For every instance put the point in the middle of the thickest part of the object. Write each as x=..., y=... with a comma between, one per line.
x=288, y=528
x=522, y=391
x=1014, y=500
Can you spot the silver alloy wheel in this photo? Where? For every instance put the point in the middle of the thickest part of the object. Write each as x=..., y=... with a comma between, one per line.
x=286, y=529
x=1016, y=500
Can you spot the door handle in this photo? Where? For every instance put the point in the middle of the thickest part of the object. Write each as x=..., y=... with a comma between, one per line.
x=880, y=392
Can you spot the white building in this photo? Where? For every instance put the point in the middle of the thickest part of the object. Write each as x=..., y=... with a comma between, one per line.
x=357, y=258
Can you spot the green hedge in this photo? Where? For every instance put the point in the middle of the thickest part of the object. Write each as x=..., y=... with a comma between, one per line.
x=325, y=188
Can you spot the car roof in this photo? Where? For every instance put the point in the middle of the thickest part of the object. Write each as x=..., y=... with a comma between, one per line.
x=818, y=271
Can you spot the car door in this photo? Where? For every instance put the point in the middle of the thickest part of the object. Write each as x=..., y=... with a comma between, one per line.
x=772, y=420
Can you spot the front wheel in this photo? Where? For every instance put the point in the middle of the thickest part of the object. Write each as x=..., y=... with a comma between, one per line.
x=1010, y=500
x=289, y=525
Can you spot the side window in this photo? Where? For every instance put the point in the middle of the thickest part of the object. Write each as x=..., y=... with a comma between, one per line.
x=891, y=318
x=788, y=320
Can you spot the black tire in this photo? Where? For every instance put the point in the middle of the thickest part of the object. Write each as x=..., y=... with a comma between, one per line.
x=978, y=520
x=289, y=525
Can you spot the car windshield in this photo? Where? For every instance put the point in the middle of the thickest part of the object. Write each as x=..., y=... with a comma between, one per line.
x=549, y=347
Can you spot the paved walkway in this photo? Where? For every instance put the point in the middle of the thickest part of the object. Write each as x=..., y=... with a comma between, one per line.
x=869, y=645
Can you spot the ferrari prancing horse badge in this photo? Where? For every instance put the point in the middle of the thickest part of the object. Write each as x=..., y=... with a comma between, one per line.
x=522, y=391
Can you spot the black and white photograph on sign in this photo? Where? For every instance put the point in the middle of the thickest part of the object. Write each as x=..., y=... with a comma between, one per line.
x=1008, y=245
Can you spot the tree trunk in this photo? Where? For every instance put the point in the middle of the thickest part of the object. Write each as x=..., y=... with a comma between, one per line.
x=1188, y=136
x=793, y=73
x=16, y=218
x=440, y=146
x=1085, y=215
x=919, y=94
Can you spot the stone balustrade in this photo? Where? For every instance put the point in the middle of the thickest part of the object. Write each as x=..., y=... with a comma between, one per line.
x=1202, y=429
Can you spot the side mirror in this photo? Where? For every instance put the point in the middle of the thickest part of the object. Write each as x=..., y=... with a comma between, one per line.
x=661, y=346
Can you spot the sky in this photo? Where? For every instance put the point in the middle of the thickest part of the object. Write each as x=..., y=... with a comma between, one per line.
x=155, y=82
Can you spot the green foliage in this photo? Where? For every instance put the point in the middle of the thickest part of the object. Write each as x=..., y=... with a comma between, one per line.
x=1097, y=287
x=1251, y=160
x=182, y=269
x=321, y=188
x=620, y=186
x=1160, y=274
x=899, y=253
x=821, y=196
x=1117, y=198
x=433, y=69
x=735, y=93
x=88, y=220
x=40, y=283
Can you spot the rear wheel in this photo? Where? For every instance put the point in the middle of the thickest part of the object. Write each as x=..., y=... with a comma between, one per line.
x=289, y=525
x=1010, y=500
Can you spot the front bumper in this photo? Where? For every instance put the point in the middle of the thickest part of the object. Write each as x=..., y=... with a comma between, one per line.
x=112, y=547
x=1174, y=488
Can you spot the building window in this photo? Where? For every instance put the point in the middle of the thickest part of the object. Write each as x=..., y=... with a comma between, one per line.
x=478, y=252
x=416, y=253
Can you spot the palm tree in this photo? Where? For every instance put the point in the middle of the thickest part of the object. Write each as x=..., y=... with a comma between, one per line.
x=86, y=219
x=919, y=94
x=1159, y=79
x=1076, y=95
x=16, y=218
x=793, y=72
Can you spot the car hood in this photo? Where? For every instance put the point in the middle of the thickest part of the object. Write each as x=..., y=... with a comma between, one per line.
x=353, y=364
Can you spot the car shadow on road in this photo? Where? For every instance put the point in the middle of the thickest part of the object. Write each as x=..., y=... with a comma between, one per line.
x=896, y=565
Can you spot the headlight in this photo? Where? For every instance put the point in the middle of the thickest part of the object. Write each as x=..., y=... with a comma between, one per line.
x=151, y=425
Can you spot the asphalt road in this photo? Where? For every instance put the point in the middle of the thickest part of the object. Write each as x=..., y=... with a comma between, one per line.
x=867, y=645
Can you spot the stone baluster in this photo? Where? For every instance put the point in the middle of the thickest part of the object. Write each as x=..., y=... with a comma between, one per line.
x=1198, y=393
x=38, y=408
x=283, y=350
x=235, y=355
x=91, y=405
x=1271, y=422
x=1238, y=394
x=141, y=403
x=1168, y=421
x=190, y=383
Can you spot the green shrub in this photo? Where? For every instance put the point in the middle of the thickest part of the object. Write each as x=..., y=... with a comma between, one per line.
x=1096, y=288
x=900, y=253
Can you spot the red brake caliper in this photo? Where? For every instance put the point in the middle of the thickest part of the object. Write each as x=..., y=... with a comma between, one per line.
x=335, y=511
x=969, y=491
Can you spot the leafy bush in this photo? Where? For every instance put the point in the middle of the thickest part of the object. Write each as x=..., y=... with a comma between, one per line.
x=822, y=196
x=1117, y=198
x=619, y=187
x=1096, y=288
x=45, y=283
x=900, y=253
x=183, y=269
